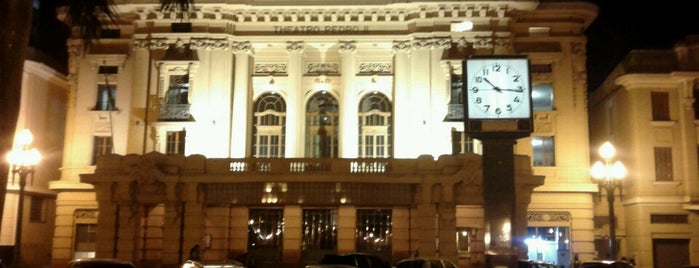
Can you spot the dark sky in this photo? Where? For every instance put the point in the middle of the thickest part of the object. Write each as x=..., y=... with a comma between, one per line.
x=623, y=25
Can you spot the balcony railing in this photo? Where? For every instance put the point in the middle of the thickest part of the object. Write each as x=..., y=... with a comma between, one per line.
x=174, y=112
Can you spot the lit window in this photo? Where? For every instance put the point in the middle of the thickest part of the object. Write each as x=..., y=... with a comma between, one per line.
x=374, y=231
x=542, y=97
x=105, y=97
x=265, y=228
x=175, y=142
x=319, y=229
x=178, y=90
x=462, y=143
x=322, y=115
x=375, y=126
x=543, y=149
x=269, y=126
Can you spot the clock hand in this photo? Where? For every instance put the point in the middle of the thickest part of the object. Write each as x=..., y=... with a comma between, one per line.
x=510, y=89
x=491, y=84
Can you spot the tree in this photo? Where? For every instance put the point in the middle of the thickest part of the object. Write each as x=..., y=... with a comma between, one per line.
x=14, y=38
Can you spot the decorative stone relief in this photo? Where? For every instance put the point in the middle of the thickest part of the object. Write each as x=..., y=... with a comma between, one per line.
x=401, y=46
x=375, y=68
x=543, y=123
x=548, y=216
x=103, y=124
x=347, y=46
x=269, y=68
x=294, y=46
x=423, y=43
x=159, y=43
x=442, y=42
x=483, y=42
x=82, y=214
x=323, y=68
x=241, y=47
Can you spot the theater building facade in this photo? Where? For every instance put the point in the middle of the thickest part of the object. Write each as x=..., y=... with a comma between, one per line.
x=277, y=132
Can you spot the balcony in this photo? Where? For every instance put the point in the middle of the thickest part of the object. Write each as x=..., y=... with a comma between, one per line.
x=174, y=112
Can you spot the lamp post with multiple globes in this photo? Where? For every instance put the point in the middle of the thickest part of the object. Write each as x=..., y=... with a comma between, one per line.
x=23, y=158
x=608, y=174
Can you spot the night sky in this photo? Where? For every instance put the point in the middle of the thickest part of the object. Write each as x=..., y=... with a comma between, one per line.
x=623, y=25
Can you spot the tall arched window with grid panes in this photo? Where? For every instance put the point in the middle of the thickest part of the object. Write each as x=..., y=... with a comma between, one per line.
x=269, y=126
x=322, y=126
x=375, y=112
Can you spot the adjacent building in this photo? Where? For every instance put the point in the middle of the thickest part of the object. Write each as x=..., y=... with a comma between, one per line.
x=42, y=111
x=647, y=107
x=276, y=132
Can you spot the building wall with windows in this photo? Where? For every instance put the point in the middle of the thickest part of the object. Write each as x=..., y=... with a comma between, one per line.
x=262, y=84
x=42, y=111
x=647, y=108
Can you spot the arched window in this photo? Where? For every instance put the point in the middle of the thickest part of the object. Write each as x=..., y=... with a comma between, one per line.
x=375, y=139
x=322, y=126
x=269, y=126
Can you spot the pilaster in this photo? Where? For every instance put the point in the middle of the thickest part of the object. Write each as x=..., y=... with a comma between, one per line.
x=295, y=107
x=292, y=235
x=401, y=99
x=348, y=112
x=241, y=99
x=420, y=98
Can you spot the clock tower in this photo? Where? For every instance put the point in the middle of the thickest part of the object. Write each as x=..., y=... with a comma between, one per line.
x=498, y=105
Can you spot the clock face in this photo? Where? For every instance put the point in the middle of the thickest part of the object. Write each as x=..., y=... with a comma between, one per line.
x=498, y=88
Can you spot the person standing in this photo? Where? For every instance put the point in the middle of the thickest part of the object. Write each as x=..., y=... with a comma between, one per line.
x=195, y=253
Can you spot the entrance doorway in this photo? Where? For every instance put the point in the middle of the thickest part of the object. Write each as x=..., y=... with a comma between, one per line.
x=265, y=237
x=669, y=253
x=549, y=244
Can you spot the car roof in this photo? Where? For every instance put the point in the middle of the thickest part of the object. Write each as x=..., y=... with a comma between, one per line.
x=102, y=263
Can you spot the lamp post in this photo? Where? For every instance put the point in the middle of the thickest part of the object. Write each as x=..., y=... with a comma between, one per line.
x=608, y=174
x=22, y=159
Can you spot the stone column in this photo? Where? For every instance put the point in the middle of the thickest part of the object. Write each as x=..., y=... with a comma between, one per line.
x=349, y=104
x=128, y=221
x=241, y=99
x=294, y=101
x=346, y=226
x=401, y=99
x=106, y=221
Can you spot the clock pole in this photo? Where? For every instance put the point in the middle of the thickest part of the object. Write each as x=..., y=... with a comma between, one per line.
x=499, y=198
x=498, y=111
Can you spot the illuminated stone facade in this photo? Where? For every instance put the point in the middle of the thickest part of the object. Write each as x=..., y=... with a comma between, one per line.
x=242, y=100
x=647, y=107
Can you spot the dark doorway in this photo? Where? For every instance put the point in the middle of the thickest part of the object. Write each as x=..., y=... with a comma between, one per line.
x=670, y=253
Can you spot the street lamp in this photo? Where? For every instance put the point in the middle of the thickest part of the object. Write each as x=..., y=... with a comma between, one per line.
x=22, y=159
x=608, y=175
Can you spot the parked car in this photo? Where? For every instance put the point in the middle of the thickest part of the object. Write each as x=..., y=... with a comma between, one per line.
x=534, y=264
x=425, y=263
x=605, y=264
x=358, y=260
x=221, y=264
x=100, y=263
